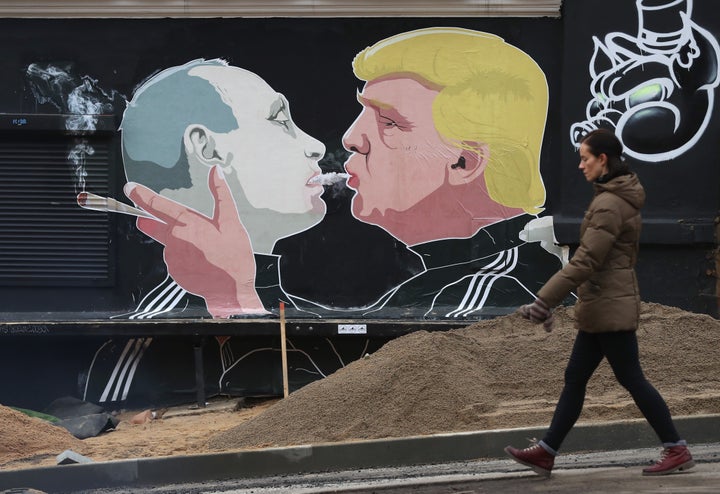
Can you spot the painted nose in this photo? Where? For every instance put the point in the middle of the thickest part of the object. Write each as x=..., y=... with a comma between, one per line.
x=314, y=154
x=355, y=140
x=314, y=149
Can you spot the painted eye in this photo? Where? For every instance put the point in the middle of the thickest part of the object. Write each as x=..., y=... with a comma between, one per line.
x=279, y=113
x=281, y=118
x=386, y=122
x=389, y=123
x=650, y=92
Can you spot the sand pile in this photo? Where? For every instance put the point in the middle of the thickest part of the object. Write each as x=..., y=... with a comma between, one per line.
x=498, y=373
x=22, y=436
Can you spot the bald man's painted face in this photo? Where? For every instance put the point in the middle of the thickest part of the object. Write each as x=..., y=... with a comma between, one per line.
x=268, y=161
x=272, y=158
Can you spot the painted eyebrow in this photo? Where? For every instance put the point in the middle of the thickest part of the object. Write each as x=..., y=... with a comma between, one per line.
x=388, y=110
x=374, y=103
x=276, y=106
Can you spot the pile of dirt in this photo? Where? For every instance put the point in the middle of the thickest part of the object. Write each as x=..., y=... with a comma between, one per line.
x=499, y=373
x=22, y=436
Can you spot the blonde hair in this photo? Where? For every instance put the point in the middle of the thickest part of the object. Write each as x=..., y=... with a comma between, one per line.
x=490, y=93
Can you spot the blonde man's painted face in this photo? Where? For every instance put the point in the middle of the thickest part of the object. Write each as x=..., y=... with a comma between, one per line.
x=398, y=158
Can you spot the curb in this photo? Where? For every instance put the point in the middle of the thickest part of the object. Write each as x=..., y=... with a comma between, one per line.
x=408, y=451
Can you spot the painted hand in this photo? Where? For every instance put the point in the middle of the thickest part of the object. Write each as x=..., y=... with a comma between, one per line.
x=210, y=257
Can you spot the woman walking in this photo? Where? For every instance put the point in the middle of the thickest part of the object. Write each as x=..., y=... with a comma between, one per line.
x=607, y=311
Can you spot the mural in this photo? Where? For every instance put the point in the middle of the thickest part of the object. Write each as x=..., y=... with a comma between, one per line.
x=418, y=179
x=444, y=156
x=207, y=121
x=446, y=146
x=655, y=88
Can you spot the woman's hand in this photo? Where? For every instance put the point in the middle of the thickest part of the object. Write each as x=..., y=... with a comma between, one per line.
x=538, y=312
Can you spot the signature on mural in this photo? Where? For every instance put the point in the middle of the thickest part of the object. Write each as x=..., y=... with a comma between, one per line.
x=655, y=88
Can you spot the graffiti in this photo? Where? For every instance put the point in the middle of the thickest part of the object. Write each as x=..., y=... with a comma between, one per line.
x=654, y=88
x=426, y=180
x=245, y=175
x=119, y=382
x=385, y=197
x=441, y=157
x=117, y=365
x=455, y=118
x=262, y=170
x=467, y=202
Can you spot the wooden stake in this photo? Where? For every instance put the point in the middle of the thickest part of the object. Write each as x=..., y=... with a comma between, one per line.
x=283, y=349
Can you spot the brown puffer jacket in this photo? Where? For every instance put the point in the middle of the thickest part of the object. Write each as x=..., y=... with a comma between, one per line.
x=603, y=266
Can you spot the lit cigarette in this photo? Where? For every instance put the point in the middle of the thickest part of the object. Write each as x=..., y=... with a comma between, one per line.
x=328, y=178
x=88, y=200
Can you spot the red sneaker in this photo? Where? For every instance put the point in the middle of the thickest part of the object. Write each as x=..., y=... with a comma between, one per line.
x=676, y=458
x=534, y=457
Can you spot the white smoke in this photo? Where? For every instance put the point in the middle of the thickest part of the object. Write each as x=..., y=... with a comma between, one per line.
x=80, y=100
x=84, y=107
x=329, y=178
x=77, y=157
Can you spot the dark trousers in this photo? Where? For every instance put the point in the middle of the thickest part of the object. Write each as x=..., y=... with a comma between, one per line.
x=621, y=350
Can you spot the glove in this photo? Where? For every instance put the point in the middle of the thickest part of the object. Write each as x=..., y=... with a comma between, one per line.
x=548, y=323
x=538, y=312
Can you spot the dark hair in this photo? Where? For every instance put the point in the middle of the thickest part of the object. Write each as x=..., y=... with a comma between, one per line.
x=603, y=141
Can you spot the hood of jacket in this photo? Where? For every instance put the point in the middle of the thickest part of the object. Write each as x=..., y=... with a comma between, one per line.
x=627, y=187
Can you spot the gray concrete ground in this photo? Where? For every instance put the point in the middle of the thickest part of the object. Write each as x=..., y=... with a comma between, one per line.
x=590, y=473
x=463, y=462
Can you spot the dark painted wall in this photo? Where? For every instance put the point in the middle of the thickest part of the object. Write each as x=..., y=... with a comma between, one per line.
x=677, y=258
x=308, y=60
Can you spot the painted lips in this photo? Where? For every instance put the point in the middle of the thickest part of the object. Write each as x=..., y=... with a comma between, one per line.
x=353, y=181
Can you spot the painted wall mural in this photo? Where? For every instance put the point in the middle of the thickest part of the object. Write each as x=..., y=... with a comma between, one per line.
x=444, y=153
x=444, y=156
x=391, y=170
x=656, y=87
x=240, y=175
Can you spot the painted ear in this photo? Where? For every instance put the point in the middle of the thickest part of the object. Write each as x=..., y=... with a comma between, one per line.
x=200, y=146
x=469, y=165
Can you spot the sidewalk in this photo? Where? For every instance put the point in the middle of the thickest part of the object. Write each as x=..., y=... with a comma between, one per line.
x=334, y=457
